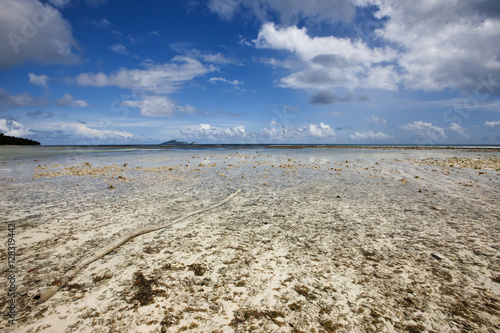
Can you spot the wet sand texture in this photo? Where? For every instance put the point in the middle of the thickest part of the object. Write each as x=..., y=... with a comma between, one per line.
x=372, y=243
x=49, y=292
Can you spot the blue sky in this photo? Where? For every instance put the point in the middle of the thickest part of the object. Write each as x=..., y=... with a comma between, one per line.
x=254, y=71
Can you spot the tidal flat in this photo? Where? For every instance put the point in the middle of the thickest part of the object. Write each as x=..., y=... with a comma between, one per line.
x=318, y=240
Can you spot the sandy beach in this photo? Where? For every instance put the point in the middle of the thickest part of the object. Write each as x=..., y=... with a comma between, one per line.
x=318, y=240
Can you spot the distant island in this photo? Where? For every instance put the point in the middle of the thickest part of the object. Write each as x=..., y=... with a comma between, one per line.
x=12, y=140
x=177, y=143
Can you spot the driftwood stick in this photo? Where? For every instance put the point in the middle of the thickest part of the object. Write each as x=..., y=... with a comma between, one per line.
x=49, y=292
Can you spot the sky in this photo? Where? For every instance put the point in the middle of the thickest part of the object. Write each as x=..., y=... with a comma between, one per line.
x=250, y=71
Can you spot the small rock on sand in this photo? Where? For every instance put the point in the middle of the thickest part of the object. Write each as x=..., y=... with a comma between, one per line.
x=435, y=256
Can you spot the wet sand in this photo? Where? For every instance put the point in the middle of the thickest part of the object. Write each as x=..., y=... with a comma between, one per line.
x=316, y=242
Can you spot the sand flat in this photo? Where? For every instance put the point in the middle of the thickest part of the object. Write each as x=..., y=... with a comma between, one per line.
x=319, y=240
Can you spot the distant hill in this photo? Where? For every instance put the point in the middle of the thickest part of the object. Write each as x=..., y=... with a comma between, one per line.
x=12, y=140
x=176, y=143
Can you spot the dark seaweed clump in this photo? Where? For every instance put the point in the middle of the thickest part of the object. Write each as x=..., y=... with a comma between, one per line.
x=145, y=293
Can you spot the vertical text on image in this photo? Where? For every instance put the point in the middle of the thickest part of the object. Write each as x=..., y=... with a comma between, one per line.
x=11, y=271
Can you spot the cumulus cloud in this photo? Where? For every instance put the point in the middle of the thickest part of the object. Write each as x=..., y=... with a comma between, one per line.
x=276, y=133
x=39, y=80
x=433, y=45
x=68, y=100
x=208, y=133
x=13, y=128
x=322, y=51
x=331, y=61
x=7, y=100
x=447, y=44
x=369, y=136
x=31, y=30
x=158, y=106
x=459, y=129
x=425, y=131
x=321, y=130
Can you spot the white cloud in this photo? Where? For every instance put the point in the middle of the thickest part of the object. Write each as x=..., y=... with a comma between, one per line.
x=159, y=79
x=7, y=100
x=211, y=58
x=321, y=130
x=459, y=129
x=380, y=77
x=158, y=106
x=119, y=48
x=445, y=43
x=13, y=128
x=84, y=131
x=492, y=124
x=221, y=79
x=323, y=51
x=152, y=84
x=369, y=136
x=277, y=133
x=216, y=58
x=429, y=45
x=39, y=80
x=224, y=8
x=208, y=133
x=204, y=127
x=68, y=100
x=425, y=131
x=330, y=61
x=285, y=63
x=31, y=30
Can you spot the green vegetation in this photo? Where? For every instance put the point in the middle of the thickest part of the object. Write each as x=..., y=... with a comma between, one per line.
x=12, y=140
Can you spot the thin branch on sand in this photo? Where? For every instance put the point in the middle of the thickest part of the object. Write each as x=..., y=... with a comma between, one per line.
x=49, y=292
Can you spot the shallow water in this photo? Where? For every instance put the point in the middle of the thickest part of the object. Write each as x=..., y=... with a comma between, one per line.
x=355, y=239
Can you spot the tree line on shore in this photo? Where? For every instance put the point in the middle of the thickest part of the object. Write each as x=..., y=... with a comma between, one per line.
x=12, y=140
